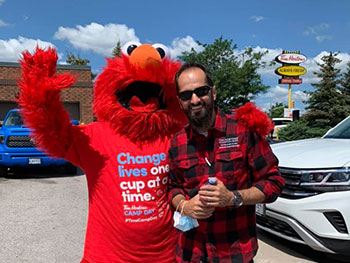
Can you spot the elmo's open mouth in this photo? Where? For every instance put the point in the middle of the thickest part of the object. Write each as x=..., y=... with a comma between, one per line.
x=142, y=97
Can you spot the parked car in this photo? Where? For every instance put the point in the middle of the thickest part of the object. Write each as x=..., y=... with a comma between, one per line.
x=314, y=207
x=279, y=123
x=18, y=149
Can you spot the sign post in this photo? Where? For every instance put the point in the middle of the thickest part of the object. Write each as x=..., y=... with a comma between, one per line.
x=289, y=96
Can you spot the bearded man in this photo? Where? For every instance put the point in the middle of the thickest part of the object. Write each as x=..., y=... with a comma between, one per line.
x=231, y=149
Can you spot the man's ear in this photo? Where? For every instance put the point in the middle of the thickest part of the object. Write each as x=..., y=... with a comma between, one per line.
x=213, y=90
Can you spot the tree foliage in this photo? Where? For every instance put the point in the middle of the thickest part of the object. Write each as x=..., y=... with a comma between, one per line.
x=76, y=60
x=300, y=129
x=116, y=51
x=234, y=74
x=345, y=88
x=277, y=110
x=326, y=103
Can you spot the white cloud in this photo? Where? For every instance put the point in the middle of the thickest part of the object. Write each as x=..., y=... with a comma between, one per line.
x=314, y=30
x=276, y=93
x=299, y=96
x=280, y=94
x=179, y=45
x=257, y=18
x=100, y=39
x=266, y=106
x=2, y=1
x=11, y=49
x=318, y=32
x=322, y=38
x=3, y=24
x=268, y=58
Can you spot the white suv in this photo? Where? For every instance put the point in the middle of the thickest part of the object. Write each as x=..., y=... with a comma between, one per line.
x=314, y=207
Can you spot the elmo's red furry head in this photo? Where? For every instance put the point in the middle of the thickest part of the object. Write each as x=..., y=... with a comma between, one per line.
x=136, y=94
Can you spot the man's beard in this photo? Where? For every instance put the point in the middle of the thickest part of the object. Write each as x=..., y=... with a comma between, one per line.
x=199, y=121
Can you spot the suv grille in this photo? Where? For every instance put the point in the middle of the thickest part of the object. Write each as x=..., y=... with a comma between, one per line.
x=337, y=221
x=16, y=141
x=293, y=190
x=277, y=225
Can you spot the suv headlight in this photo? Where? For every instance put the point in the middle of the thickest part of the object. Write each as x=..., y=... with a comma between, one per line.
x=326, y=180
x=2, y=138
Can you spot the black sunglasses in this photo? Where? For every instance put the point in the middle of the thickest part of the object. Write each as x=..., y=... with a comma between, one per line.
x=200, y=92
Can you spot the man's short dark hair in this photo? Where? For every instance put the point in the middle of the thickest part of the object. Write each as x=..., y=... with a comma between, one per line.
x=193, y=65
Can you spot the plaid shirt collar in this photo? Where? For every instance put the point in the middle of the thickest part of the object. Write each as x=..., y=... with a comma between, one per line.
x=219, y=127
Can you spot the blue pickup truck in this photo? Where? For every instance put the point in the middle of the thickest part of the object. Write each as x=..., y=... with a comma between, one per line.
x=17, y=148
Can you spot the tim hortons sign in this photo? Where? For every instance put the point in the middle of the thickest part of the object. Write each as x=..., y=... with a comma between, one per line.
x=290, y=58
x=290, y=81
x=290, y=71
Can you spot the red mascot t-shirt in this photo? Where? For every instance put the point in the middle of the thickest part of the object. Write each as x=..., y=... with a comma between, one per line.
x=129, y=218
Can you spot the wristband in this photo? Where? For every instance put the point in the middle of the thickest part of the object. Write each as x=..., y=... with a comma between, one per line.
x=177, y=207
x=183, y=207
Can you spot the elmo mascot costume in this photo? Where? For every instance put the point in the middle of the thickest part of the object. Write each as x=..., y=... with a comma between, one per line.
x=124, y=154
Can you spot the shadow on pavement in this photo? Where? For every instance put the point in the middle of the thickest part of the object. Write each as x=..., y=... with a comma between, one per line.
x=39, y=172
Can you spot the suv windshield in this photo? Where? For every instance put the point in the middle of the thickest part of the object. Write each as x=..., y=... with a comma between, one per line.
x=14, y=119
x=341, y=131
x=281, y=122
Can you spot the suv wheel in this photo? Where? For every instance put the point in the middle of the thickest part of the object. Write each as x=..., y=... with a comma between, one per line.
x=3, y=171
x=70, y=169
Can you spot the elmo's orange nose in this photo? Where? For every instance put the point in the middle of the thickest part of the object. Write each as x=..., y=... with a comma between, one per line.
x=145, y=56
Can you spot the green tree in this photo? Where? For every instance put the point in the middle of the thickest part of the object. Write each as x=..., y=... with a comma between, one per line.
x=76, y=60
x=277, y=110
x=326, y=103
x=116, y=51
x=345, y=88
x=235, y=75
x=300, y=129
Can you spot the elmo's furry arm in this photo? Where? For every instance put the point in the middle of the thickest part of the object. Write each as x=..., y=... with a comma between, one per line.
x=254, y=119
x=39, y=99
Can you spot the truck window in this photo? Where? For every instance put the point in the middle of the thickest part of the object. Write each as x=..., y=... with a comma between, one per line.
x=14, y=119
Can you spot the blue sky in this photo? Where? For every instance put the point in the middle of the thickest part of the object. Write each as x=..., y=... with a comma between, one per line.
x=91, y=29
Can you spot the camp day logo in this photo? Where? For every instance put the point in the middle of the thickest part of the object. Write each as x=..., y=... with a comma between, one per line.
x=133, y=191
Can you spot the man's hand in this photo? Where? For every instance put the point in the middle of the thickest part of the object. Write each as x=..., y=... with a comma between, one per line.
x=196, y=208
x=216, y=195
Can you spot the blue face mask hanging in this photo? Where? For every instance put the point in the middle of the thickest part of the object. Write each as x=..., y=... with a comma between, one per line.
x=184, y=223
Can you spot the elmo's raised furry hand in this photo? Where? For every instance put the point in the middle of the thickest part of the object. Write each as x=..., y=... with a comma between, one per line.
x=124, y=154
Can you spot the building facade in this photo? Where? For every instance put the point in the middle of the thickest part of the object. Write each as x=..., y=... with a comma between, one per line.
x=76, y=99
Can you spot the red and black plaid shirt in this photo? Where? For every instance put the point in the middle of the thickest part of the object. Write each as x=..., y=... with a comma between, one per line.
x=240, y=159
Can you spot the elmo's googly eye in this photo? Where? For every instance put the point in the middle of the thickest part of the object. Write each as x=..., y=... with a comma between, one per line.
x=129, y=47
x=162, y=50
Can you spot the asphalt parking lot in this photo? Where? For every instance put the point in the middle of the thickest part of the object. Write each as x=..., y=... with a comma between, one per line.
x=43, y=218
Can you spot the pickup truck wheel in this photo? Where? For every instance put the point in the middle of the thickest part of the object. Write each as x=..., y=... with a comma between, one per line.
x=3, y=171
x=70, y=169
